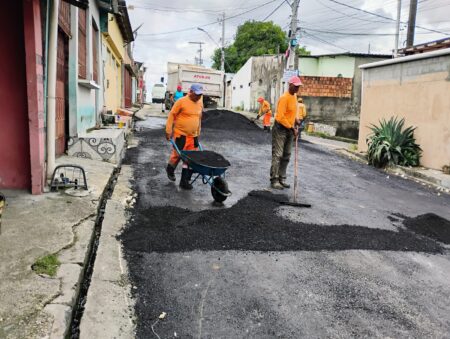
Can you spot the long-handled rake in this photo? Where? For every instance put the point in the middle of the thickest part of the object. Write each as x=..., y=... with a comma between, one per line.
x=295, y=203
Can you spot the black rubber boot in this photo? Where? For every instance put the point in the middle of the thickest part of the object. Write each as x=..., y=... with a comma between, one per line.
x=284, y=183
x=170, y=172
x=186, y=175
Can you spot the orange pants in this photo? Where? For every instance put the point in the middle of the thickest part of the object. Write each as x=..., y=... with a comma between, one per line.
x=183, y=142
x=266, y=121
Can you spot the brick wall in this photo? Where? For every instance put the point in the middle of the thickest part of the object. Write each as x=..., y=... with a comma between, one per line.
x=326, y=87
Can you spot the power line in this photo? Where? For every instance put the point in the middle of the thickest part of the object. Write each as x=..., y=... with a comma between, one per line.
x=276, y=9
x=211, y=23
x=353, y=33
x=384, y=17
x=324, y=41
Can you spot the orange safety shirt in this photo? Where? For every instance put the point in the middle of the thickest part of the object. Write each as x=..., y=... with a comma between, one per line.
x=301, y=114
x=185, y=117
x=264, y=108
x=287, y=110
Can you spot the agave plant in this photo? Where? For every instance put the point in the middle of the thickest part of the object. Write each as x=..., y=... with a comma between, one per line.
x=390, y=144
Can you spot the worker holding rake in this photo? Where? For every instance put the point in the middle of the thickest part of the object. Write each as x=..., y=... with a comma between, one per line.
x=284, y=131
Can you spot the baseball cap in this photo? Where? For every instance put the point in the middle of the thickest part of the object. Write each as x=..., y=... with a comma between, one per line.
x=197, y=89
x=295, y=80
x=260, y=99
x=179, y=87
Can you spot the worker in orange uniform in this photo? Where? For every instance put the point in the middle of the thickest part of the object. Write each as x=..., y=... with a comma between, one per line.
x=183, y=126
x=301, y=114
x=264, y=109
x=283, y=133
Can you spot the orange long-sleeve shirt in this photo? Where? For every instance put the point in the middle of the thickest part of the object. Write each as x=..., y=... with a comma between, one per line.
x=301, y=114
x=287, y=110
x=185, y=117
x=264, y=108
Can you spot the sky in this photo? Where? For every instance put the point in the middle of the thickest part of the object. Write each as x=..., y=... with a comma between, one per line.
x=326, y=26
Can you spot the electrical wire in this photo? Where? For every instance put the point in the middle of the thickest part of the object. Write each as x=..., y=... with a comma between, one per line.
x=276, y=9
x=384, y=17
x=324, y=41
x=211, y=23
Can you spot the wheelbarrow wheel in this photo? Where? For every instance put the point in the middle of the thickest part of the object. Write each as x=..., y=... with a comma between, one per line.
x=219, y=186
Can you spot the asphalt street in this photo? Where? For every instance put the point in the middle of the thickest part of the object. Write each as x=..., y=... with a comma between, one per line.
x=369, y=259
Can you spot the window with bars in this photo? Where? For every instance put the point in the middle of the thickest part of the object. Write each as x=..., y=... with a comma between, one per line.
x=94, y=53
x=82, y=44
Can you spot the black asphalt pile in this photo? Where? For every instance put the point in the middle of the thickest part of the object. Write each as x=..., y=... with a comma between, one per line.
x=253, y=225
x=226, y=120
x=209, y=158
x=430, y=225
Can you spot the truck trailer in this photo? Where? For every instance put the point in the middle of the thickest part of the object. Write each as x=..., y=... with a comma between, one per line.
x=185, y=75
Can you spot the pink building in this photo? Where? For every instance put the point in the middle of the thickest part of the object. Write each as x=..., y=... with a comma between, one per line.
x=22, y=136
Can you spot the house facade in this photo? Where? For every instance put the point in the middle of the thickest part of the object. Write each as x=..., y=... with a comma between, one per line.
x=52, y=86
x=332, y=89
x=393, y=87
x=118, y=65
x=22, y=137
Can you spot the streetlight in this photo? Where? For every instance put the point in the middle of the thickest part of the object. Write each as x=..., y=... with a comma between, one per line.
x=222, y=60
x=222, y=50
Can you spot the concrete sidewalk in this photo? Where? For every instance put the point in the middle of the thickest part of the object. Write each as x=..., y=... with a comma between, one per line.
x=33, y=305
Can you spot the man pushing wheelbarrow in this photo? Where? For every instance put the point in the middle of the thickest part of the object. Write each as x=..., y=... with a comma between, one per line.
x=183, y=126
x=183, y=130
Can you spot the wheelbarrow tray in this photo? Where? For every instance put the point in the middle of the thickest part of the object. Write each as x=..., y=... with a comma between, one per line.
x=201, y=168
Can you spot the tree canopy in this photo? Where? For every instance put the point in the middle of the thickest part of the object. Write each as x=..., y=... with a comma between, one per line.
x=254, y=38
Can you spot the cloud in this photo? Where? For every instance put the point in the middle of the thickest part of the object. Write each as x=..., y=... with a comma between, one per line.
x=317, y=17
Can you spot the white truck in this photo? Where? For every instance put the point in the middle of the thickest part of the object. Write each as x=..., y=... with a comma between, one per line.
x=186, y=75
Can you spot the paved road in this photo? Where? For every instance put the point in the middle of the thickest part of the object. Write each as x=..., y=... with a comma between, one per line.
x=347, y=267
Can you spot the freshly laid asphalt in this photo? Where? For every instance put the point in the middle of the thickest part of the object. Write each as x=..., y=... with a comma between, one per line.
x=369, y=258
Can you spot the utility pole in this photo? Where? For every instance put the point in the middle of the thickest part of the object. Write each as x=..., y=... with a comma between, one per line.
x=397, y=28
x=292, y=38
x=222, y=61
x=200, y=60
x=411, y=23
x=222, y=56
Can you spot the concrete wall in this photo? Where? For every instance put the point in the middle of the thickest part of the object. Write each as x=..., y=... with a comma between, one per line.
x=418, y=91
x=327, y=66
x=332, y=100
x=266, y=75
x=241, y=86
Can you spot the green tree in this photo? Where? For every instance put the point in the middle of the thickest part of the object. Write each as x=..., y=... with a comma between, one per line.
x=301, y=50
x=253, y=38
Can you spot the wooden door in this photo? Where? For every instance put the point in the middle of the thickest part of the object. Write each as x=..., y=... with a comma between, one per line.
x=128, y=88
x=61, y=93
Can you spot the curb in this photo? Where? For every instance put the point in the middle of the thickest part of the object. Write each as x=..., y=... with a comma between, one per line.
x=406, y=172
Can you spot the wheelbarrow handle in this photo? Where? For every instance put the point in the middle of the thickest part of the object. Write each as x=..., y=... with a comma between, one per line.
x=200, y=147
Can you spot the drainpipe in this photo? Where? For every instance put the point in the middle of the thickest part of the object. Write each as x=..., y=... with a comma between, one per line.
x=51, y=91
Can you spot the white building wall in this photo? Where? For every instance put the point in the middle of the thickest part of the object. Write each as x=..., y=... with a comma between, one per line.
x=241, y=87
x=327, y=66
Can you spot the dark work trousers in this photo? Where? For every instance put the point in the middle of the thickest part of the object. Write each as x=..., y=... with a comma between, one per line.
x=282, y=139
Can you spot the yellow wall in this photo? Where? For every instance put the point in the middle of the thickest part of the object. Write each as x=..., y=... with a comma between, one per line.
x=115, y=54
x=418, y=91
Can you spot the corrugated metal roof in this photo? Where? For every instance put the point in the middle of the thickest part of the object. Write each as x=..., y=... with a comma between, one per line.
x=408, y=58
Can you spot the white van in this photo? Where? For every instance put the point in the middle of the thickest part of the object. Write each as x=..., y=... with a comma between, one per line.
x=158, y=93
